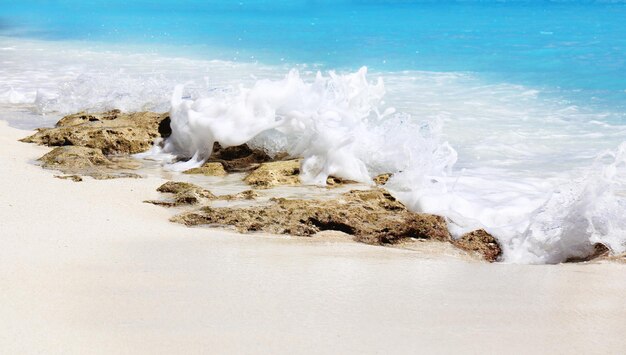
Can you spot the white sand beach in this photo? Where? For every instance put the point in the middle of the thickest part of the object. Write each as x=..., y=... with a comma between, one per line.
x=87, y=268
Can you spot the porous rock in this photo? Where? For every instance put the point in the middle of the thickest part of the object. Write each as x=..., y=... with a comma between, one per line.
x=85, y=161
x=480, y=242
x=112, y=132
x=382, y=179
x=74, y=158
x=333, y=181
x=238, y=158
x=189, y=194
x=184, y=193
x=244, y=195
x=208, y=169
x=275, y=173
x=284, y=173
x=370, y=216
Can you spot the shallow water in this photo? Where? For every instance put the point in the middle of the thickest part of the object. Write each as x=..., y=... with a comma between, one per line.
x=508, y=115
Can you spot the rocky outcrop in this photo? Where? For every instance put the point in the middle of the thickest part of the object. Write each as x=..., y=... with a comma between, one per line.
x=91, y=143
x=480, y=242
x=274, y=174
x=244, y=195
x=208, y=169
x=74, y=158
x=112, y=132
x=370, y=216
x=382, y=179
x=333, y=181
x=238, y=158
x=86, y=161
x=185, y=194
x=600, y=251
x=284, y=173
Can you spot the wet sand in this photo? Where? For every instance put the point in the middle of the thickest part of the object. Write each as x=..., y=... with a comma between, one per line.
x=88, y=268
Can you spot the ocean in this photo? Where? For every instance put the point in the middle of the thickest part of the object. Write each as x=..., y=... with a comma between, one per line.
x=503, y=115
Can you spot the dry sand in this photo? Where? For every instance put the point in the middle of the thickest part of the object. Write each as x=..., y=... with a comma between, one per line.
x=88, y=268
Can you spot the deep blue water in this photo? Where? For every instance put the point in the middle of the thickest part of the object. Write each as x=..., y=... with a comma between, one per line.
x=576, y=46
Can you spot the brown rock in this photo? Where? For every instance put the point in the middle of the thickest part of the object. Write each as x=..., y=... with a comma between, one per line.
x=382, y=179
x=244, y=195
x=185, y=193
x=87, y=162
x=189, y=194
x=112, y=132
x=74, y=158
x=371, y=216
x=481, y=243
x=333, y=181
x=274, y=174
x=599, y=251
x=208, y=169
x=284, y=173
x=238, y=158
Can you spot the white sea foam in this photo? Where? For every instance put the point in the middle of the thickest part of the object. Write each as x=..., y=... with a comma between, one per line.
x=541, y=174
x=577, y=215
x=333, y=122
x=325, y=121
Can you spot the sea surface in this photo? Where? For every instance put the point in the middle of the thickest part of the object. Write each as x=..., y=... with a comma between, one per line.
x=503, y=115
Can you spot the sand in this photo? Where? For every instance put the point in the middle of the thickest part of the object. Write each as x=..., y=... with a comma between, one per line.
x=88, y=268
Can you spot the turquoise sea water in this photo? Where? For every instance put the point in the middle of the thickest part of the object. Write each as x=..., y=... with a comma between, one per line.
x=510, y=115
x=576, y=45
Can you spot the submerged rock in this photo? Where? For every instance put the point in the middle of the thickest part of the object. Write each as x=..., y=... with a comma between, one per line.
x=112, y=132
x=74, y=158
x=284, y=173
x=371, y=216
x=382, y=179
x=208, y=169
x=184, y=193
x=244, y=195
x=333, y=181
x=189, y=194
x=85, y=161
x=599, y=251
x=274, y=174
x=481, y=243
x=238, y=158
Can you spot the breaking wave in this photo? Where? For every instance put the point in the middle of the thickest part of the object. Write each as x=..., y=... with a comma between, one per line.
x=340, y=126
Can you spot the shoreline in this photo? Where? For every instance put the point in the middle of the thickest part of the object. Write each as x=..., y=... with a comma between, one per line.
x=269, y=193
x=101, y=146
x=116, y=276
x=489, y=186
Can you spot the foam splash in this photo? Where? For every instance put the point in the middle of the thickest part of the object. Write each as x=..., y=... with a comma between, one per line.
x=534, y=221
x=324, y=121
x=578, y=215
x=335, y=123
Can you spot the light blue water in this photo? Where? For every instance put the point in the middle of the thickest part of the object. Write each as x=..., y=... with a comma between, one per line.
x=572, y=45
